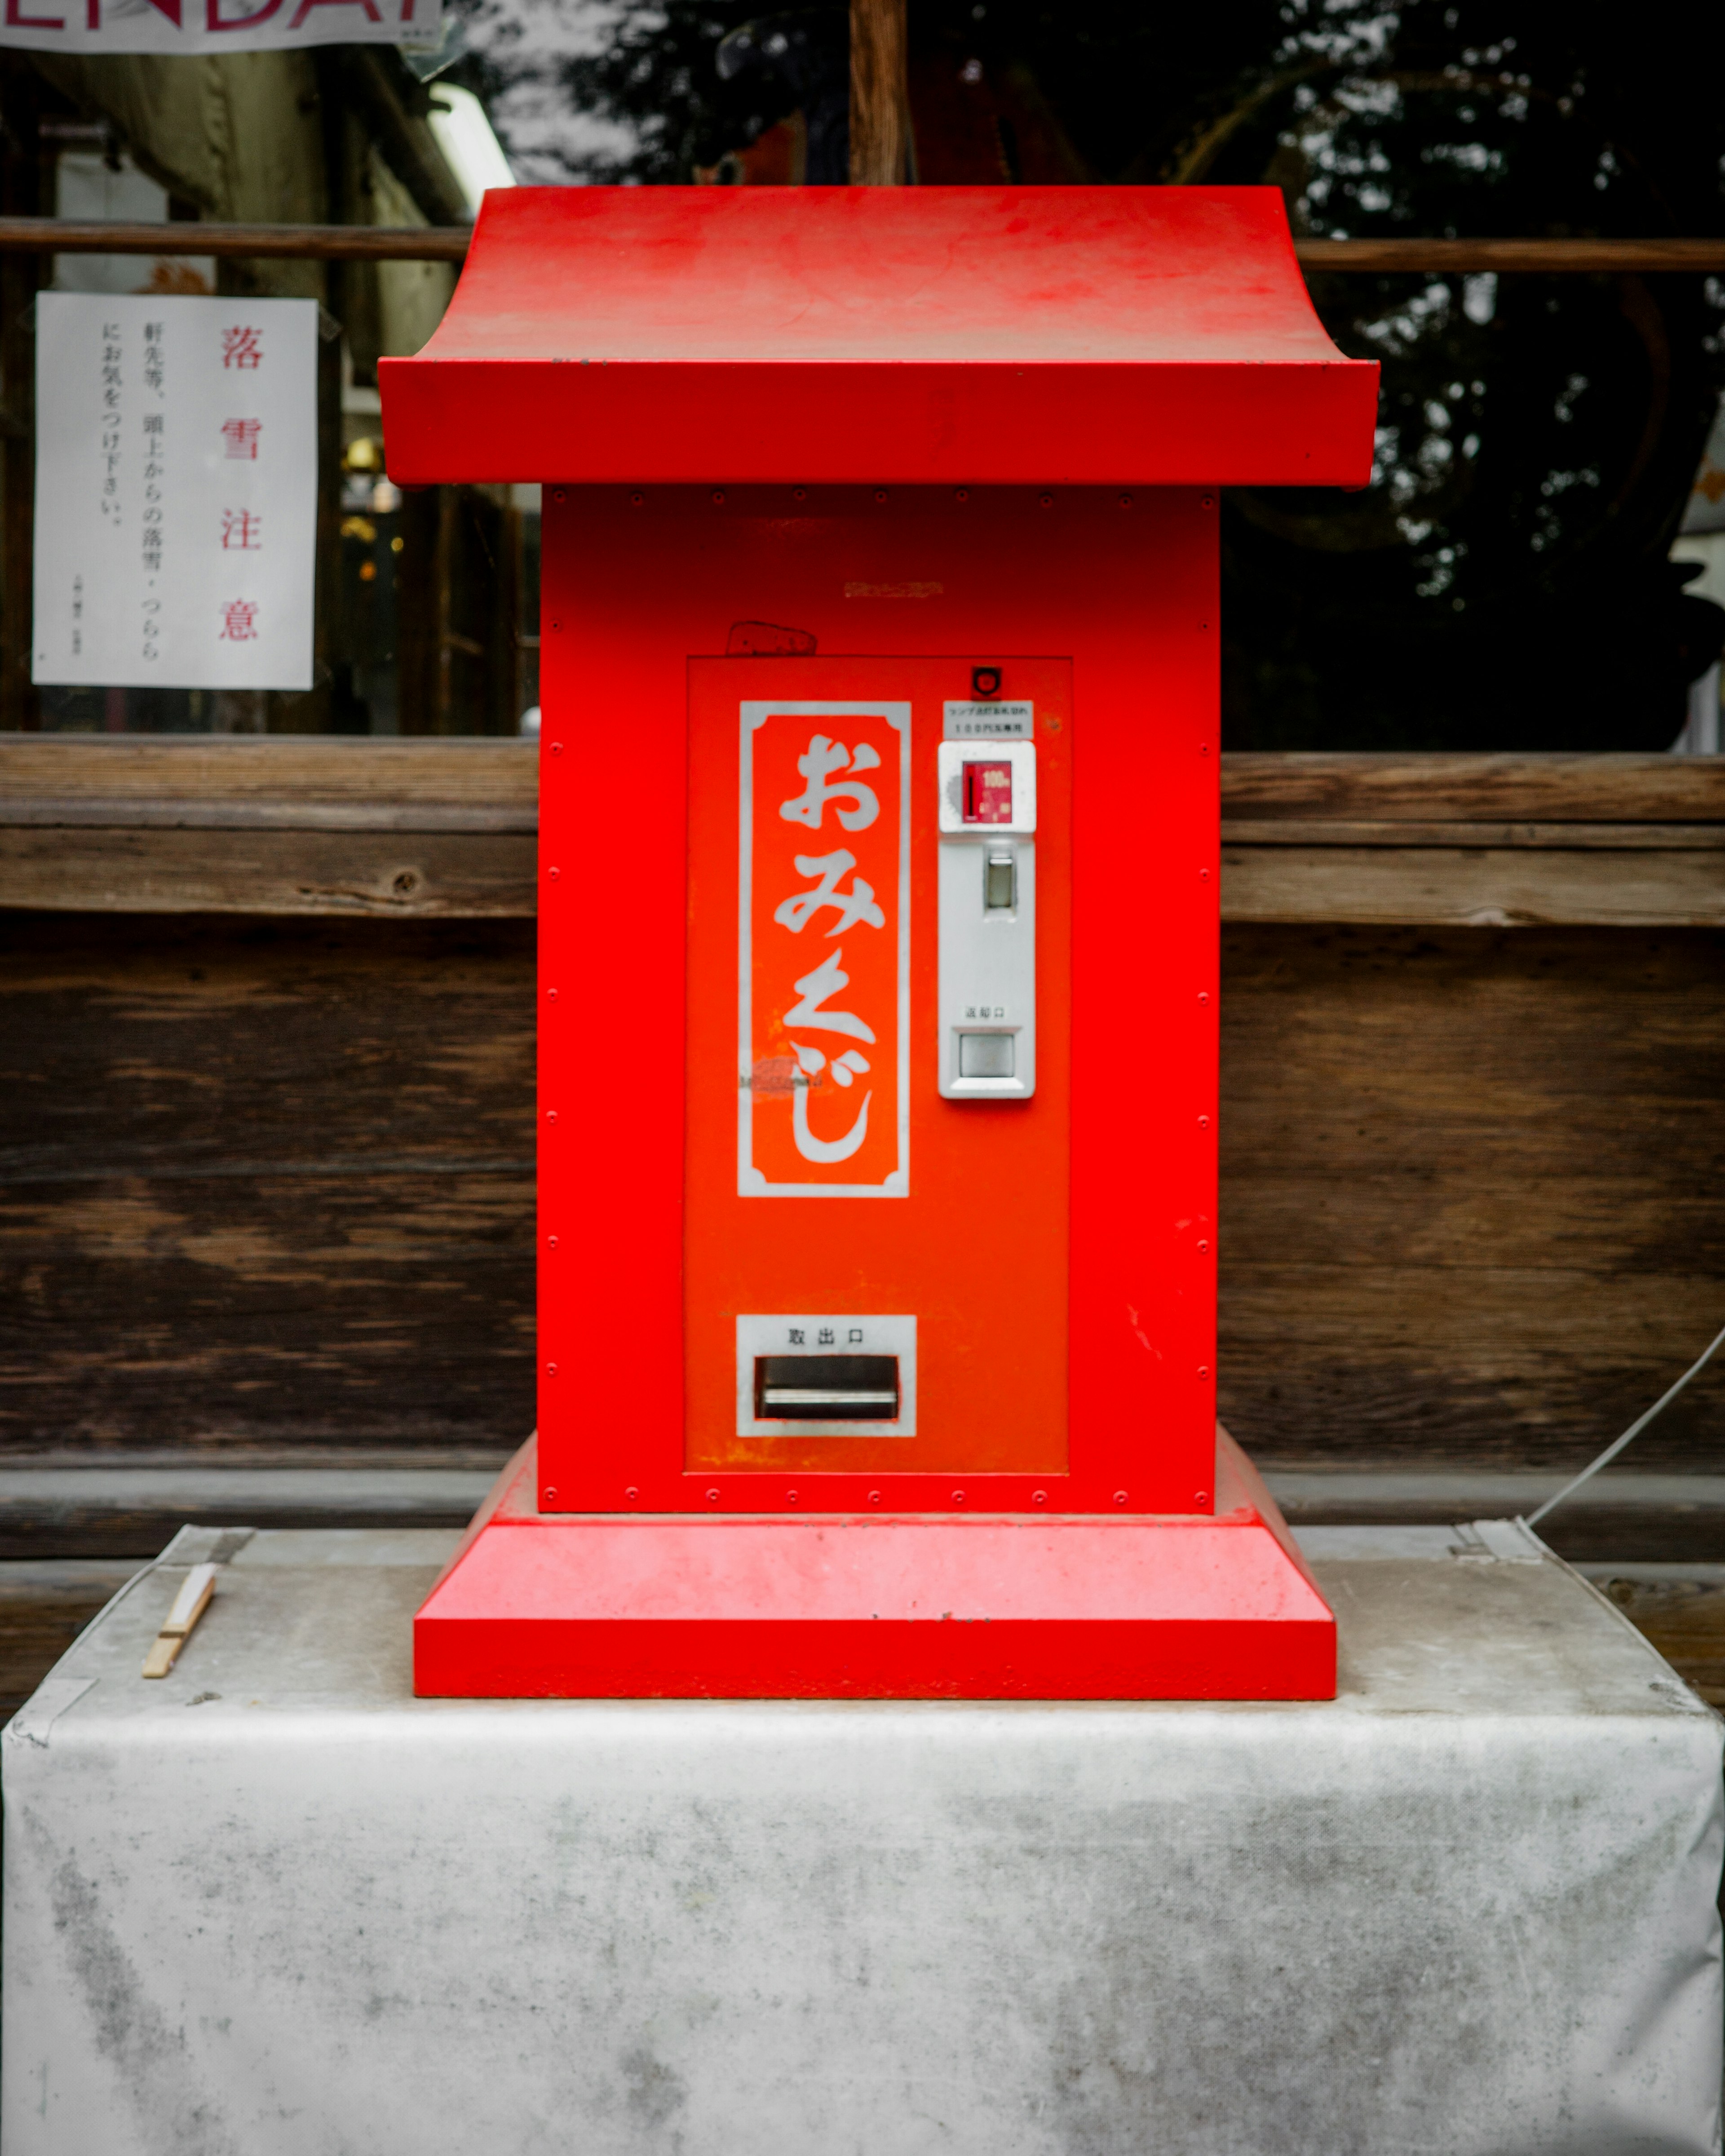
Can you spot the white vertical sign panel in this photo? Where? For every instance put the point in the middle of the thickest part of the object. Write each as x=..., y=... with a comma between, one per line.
x=175, y=491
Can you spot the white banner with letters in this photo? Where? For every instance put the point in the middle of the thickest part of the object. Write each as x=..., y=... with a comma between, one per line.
x=216, y=26
x=175, y=491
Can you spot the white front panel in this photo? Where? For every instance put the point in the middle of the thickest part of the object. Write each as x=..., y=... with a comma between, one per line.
x=988, y=970
x=988, y=920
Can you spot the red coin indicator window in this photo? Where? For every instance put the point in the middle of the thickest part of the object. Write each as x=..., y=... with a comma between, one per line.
x=988, y=794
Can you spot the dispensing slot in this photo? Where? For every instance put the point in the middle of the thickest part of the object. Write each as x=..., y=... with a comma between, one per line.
x=826, y=1388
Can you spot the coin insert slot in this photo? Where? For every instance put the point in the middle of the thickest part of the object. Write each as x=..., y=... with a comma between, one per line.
x=987, y=792
x=826, y=1388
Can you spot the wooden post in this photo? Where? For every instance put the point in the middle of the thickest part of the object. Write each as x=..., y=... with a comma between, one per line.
x=880, y=104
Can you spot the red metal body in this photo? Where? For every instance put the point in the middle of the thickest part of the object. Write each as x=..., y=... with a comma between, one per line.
x=1128, y=592
x=1054, y=1254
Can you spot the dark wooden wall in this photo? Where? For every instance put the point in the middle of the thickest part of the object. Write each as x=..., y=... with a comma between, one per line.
x=1473, y=1209
x=265, y=1185
x=266, y=1188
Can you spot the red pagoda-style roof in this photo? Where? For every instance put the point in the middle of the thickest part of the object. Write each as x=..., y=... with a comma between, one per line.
x=1089, y=336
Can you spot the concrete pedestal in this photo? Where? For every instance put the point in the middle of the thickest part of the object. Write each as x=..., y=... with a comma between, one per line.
x=274, y=1904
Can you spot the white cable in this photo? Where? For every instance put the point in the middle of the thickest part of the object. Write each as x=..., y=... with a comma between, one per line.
x=1634, y=1430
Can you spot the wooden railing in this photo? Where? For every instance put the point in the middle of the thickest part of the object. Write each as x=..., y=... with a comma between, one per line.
x=294, y=824
x=355, y=243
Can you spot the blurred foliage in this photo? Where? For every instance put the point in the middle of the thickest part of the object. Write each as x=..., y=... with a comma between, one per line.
x=1503, y=581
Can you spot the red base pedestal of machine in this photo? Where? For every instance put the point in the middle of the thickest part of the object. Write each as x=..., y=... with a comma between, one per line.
x=541, y=1606
x=879, y=934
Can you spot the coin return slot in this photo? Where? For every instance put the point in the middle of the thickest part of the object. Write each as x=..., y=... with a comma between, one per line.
x=826, y=1388
x=985, y=1055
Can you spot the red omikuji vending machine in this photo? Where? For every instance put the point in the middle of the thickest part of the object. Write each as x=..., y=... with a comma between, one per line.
x=879, y=934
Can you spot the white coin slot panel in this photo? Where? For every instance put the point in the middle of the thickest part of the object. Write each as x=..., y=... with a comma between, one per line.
x=988, y=920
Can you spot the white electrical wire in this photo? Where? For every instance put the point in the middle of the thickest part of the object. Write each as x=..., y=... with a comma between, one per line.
x=1634, y=1430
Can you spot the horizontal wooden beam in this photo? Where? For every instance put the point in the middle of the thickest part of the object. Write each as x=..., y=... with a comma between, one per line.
x=301, y=779
x=1503, y=787
x=49, y=812
x=317, y=242
x=123, y=776
x=1295, y=831
x=408, y=875
x=414, y=874
x=1474, y=887
x=404, y=829
x=351, y=243
x=1536, y=258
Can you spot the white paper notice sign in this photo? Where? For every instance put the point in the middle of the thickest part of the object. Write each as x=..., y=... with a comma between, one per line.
x=175, y=491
